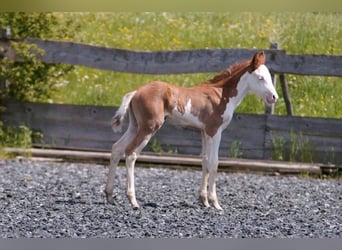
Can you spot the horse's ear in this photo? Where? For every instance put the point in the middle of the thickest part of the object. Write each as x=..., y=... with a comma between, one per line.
x=258, y=59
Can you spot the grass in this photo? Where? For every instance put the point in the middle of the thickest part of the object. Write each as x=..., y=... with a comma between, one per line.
x=20, y=136
x=235, y=150
x=278, y=148
x=318, y=33
x=299, y=149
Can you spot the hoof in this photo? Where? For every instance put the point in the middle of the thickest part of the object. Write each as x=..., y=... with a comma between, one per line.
x=204, y=201
x=218, y=207
x=135, y=205
x=215, y=204
x=109, y=198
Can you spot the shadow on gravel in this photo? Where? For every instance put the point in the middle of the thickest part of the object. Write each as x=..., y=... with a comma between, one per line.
x=181, y=204
x=70, y=202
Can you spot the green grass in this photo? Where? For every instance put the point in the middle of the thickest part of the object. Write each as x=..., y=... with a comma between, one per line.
x=19, y=136
x=318, y=33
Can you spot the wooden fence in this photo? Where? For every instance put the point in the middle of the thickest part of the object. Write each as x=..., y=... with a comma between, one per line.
x=88, y=128
x=254, y=136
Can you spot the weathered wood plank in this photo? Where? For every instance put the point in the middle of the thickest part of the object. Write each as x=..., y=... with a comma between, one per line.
x=146, y=62
x=83, y=134
x=308, y=125
x=186, y=61
x=88, y=127
x=318, y=65
x=60, y=111
x=68, y=126
x=224, y=163
x=176, y=62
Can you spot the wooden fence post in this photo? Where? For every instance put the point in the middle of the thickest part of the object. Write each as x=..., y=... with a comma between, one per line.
x=270, y=109
x=286, y=94
x=284, y=88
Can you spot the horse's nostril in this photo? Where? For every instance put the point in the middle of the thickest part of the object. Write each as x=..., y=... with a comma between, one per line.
x=273, y=97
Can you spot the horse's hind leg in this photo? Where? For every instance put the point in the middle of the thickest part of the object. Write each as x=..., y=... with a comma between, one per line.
x=130, y=163
x=118, y=150
x=132, y=152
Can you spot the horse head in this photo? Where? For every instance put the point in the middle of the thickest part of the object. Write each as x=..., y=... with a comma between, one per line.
x=260, y=80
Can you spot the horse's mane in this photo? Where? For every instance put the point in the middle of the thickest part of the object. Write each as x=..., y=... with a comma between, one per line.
x=230, y=76
x=230, y=71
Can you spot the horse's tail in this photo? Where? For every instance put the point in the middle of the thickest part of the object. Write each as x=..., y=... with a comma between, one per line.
x=121, y=112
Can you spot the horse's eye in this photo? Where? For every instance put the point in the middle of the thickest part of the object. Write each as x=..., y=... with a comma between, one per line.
x=261, y=78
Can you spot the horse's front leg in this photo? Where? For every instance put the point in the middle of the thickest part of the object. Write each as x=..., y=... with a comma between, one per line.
x=205, y=173
x=204, y=184
x=210, y=147
x=210, y=162
x=212, y=188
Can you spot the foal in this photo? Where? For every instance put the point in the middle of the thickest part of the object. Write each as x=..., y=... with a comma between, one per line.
x=208, y=107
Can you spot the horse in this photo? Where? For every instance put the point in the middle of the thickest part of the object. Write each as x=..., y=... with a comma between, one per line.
x=208, y=107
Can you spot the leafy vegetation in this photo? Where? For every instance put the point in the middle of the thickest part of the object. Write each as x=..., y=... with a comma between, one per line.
x=29, y=80
x=32, y=80
x=14, y=137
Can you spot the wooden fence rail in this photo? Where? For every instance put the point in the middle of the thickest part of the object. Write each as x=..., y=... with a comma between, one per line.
x=175, y=62
x=88, y=128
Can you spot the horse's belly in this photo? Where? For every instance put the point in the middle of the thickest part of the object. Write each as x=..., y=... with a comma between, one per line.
x=185, y=119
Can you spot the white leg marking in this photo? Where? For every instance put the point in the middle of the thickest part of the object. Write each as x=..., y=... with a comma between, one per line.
x=130, y=162
x=205, y=173
x=212, y=147
x=114, y=160
x=118, y=150
x=130, y=188
x=204, y=184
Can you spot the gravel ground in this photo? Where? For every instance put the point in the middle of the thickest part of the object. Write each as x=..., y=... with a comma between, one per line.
x=50, y=199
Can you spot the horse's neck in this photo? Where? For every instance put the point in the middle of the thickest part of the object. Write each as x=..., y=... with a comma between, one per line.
x=242, y=90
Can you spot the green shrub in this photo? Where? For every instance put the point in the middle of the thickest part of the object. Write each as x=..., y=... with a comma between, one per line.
x=31, y=80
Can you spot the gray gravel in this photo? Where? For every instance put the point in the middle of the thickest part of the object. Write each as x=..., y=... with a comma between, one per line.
x=50, y=199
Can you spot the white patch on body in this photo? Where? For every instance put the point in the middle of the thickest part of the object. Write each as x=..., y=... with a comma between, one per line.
x=186, y=119
x=228, y=114
x=234, y=102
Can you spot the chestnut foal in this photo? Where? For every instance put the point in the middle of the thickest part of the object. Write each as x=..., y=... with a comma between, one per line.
x=208, y=107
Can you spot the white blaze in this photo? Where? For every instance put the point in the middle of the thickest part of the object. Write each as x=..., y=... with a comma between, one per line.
x=262, y=85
